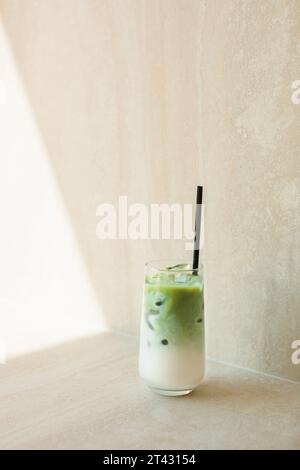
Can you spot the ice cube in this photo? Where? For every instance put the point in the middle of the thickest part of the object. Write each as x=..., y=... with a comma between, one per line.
x=183, y=278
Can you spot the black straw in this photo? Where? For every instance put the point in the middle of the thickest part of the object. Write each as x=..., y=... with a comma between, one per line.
x=197, y=229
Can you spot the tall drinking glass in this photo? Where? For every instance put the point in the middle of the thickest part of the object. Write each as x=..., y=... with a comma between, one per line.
x=172, y=349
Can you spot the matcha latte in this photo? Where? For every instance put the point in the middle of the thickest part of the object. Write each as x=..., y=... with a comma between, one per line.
x=172, y=329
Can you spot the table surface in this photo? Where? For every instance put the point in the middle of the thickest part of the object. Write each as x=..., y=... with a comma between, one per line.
x=87, y=395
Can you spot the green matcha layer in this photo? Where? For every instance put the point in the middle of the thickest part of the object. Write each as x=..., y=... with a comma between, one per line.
x=174, y=309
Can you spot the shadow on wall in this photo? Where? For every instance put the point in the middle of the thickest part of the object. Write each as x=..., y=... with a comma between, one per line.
x=251, y=139
x=83, y=68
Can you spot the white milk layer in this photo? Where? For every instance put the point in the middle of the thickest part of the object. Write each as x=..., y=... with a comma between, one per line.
x=171, y=367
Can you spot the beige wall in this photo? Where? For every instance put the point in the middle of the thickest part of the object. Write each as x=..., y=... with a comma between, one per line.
x=45, y=293
x=150, y=97
x=251, y=147
x=114, y=89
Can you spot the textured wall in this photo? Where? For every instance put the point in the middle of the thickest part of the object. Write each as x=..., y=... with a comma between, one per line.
x=41, y=266
x=251, y=144
x=114, y=87
x=148, y=97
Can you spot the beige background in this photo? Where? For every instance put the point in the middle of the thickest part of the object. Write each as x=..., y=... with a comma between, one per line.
x=148, y=98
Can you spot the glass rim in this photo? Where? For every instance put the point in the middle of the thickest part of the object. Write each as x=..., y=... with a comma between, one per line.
x=164, y=265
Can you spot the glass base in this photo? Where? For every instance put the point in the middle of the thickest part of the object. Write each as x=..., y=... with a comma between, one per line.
x=171, y=393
